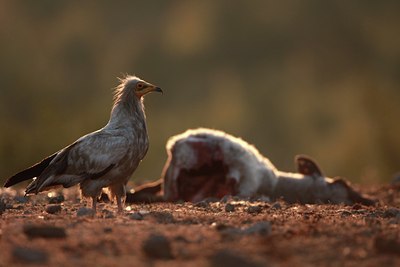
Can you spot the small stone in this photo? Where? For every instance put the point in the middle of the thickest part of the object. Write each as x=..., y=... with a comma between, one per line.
x=107, y=230
x=229, y=207
x=158, y=247
x=228, y=258
x=202, y=204
x=230, y=234
x=85, y=212
x=136, y=216
x=391, y=212
x=254, y=209
x=57, y=199
x=21, y=199
x=3, y=206
x=108, y=214
x=374, y=214
x=360, y=211
x=346, y=213
x=220, y=226
x=260, y=228
x=237, y=198
x=52, y=209
x=226, y=199
x=44, y=231
x=29, y=255
x=276, y=206
x=162, y=216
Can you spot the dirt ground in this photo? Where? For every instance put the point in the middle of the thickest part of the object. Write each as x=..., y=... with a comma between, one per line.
x=54, y=230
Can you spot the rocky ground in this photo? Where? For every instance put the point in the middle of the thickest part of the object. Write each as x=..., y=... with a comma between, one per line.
x=57, y=230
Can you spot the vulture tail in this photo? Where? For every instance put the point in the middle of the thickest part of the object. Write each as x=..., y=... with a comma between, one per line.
x=30, y=173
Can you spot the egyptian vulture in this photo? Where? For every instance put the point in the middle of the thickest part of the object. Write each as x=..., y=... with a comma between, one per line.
x=104, y=158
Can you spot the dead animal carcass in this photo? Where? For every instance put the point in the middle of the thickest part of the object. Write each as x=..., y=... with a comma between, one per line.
x=205, y=163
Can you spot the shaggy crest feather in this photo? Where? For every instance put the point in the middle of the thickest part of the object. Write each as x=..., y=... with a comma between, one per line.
x=125, y=83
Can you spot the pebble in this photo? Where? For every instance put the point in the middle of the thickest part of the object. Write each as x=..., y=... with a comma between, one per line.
x=108, y=214
x=162, y=216
x=237, y=198
x=44, y=231
x=391, y=212
x=345, y=213
x=202, y=204
x=157, y=246
x=221, y=226
x=356, y=206
x=276, y=206
x=260, y=228
x=85, y=212
x=229, y=207
x=29, y=255
x=229, y=258
x=57, y=199
x=107, y=230
x=226, y=199
x=52, y=209
x=136, y=216
x=254, y=209
x=3, y=206
x=21, y=199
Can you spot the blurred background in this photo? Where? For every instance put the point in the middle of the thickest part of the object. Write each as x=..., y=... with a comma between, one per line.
x=315, y=77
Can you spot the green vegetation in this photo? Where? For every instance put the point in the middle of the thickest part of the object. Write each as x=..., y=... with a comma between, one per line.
x=314, y=77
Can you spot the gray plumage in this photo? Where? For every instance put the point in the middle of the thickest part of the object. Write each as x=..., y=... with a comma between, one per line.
x=104, y=158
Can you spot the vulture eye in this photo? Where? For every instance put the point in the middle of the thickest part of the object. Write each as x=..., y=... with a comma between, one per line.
x=140, y=85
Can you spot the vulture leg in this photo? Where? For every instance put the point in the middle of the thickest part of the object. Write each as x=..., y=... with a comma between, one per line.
x=118, y=192
x=94, y=203
x=119, y=203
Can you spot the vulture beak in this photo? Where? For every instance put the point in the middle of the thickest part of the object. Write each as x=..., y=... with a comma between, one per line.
x=152, y=88
x=158, y=89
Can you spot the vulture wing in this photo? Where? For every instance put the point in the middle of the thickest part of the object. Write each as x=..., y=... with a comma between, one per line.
x=90, y=157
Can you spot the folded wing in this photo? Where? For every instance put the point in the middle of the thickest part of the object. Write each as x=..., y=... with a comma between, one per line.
x=91, y=157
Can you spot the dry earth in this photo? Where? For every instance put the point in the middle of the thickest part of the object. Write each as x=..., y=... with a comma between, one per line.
x=56, y=231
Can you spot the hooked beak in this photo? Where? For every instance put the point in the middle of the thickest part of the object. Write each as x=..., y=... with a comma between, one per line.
x=152, y=88
x=158, y=89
